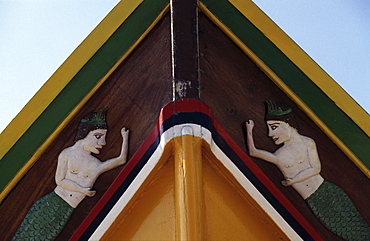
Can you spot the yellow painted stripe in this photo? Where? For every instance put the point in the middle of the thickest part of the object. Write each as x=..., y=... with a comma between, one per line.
x=43, y=147
x=189, y=187
x=153, y=220
x=285, y=88
x=63, y=75
x=192, y=193
x=304, y=62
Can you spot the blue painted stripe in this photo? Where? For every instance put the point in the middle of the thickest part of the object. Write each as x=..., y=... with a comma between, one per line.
x=205, y=121
x=120, y=191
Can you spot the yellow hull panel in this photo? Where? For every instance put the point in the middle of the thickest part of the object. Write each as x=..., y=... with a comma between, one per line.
x=192, y=197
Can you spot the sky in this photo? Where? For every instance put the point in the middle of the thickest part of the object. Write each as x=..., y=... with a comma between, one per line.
x=38, y=35
x=335, y=34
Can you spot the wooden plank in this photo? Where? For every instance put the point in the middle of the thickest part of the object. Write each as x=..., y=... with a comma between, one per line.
x=349, y=136
x=235, y=89
x=34, y=141
x=304, y=62
x=133, y=95
x=63, y=75
x=171, y=120
x=185, y=53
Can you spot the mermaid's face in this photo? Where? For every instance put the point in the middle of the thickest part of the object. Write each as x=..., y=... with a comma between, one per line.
x=279, y=131
x=95, y=141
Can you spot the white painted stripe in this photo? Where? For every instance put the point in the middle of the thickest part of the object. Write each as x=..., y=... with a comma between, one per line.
x=254, y=193
x=128, y=194
x=137, y=182
x=205, y=134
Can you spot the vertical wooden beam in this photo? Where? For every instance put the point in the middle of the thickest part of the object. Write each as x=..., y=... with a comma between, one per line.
x=185, y=49
x=189, y=201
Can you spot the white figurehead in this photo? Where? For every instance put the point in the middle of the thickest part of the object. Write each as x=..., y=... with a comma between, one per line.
x=77, y=169
x=299, y=162
x=75, y=176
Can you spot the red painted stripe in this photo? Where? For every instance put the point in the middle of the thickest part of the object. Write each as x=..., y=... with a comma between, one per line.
x=266, y=181
x=192, y=105
x=116, y=183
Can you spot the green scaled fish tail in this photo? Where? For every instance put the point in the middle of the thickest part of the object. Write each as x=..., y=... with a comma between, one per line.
x=336, y=212
x=45, y=220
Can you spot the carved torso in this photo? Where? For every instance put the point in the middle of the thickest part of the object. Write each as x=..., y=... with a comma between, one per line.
x=296, y=157
x=81, y=168
x=292, y=159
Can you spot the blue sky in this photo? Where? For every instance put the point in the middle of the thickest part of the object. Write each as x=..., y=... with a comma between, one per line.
x=38, y=35
x=335, y=34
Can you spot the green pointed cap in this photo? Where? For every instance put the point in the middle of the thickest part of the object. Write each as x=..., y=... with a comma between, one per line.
x=280, y=113
x=274, y=110
x=98, y=118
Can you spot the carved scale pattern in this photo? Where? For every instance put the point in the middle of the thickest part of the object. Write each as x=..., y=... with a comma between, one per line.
x=336, y=212
x=45, y=220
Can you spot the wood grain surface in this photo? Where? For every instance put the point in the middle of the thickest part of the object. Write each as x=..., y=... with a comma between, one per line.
x=134, y=95
x=235, y=89
x=230, y=84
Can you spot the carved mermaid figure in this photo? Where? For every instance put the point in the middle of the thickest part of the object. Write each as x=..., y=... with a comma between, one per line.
x=299, y=162
x=75, y=176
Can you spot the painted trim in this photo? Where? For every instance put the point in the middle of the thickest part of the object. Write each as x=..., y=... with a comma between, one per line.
x=200, y=134
x=189, y=200
x=349, y=137
x=282, y=41
x=190, y=112
x=64, y=74
x=105, y=55
x=27, y=136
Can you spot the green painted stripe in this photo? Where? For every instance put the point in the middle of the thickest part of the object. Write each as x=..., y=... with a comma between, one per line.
x=336, y=120
x=84, y=81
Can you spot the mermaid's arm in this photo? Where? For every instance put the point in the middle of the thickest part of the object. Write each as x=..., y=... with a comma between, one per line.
x=253, y=151
x=121, y=159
